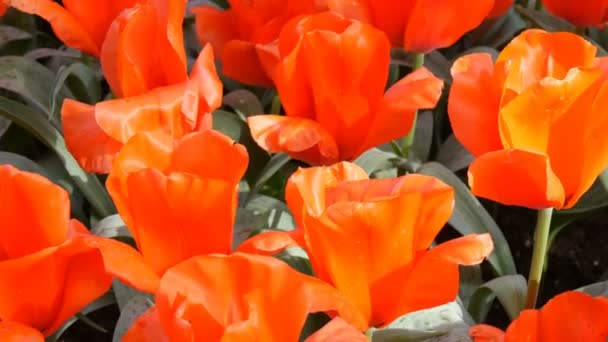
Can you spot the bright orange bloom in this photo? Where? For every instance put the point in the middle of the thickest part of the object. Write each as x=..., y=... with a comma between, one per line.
x=545, y=89
x=95, y=134
x=3, y=8
x=500, y=8
x=331, y=81
x=133, y=65
x=583, y=13
x=418, y=25
x=242, y=36
x=50, y=266
x=370, y=238
x=80, y=24
x=240, y=297
x=570, y=316
x=178, y=198
x=17, y=332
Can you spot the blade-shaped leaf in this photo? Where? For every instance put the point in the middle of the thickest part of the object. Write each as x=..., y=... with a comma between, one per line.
x=510, y=290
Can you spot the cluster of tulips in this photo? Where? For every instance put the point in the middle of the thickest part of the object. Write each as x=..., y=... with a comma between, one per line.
x=535, y=119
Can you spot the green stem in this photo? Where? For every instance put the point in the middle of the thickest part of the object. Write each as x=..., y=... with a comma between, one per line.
x=275, y=106
x=408, y=140
x=541, y=237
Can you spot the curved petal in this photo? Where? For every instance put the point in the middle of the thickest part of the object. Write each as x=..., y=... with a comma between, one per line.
x=211, y=296
x=74, y=275
x=486, y=333
x=516, y=177
x=418, y=90
x=588, y=13
x=120, y=260
x=92, y=147
x=451, y=20
x=215, y=26
x=240, y=62
x=146, y=328
x=17, y=332
x=67, y=27
x=467, y=250
x=337, y=330
x=474, y=103
x=204, y=91
x=302, y=139
x=34, y=213
x=500, y=8
x=272, y=243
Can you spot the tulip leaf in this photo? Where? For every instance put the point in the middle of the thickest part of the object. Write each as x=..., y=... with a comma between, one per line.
x=273, y=166
x=22, y=163
x=545, y=20
x=40, y=53
x=244, y=102
x=129, y=313
x=423, y=136
x=228, y=123
x=10, y=33
x=453, y=155
x=41, y=128
x=511, y=291
x=124, y=293
x=374, y=160
x=499, y=31
x=111, y=227
x=470, y=217
x=596, y=289
x=261, y=212
x=448, y=322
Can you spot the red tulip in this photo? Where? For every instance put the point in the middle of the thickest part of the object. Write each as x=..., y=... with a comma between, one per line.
x=581, y=13
x=17, y=332
x=331, y=81
x=51, y=267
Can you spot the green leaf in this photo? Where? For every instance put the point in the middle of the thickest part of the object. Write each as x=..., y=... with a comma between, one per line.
x=228, y=123
x=447, y=322
x=111, y=227
x=511, y=291
x=42, y=129
x=453, y=155
x=273, y=166
x=10, y=33
x=129, y=313
x=596, y=289
x=84, y=85
x=32, y=81
x=125, y=293
x=498, y=32
x=22, y=163
x=244, y=102
x=261, y=212
x=545, y=20
x=374, y=160
x=40, y=53
x=423, y=136
x=470, y=217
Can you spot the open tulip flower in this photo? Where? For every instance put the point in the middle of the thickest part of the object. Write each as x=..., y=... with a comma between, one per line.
x=570, y=316
x=583, y=13
x=17, y=332
x=243, y=36
x=95, y=133
x=242, y=297
x=50, y=266
x=80, y=24
x=331, y=81
x=418, y=25
x=536, y=120
x=178, y=198
x=370, y=238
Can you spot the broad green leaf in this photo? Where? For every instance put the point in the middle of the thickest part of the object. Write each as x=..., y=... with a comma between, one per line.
x=596, y=289
x=545, y=20
x=125, y=293
x=470, y=217
x=374, y=160
x=511, y=291
x=470, y=280
x=423, y=136
x=128, y=314
x=40, y=53
x=453, y=155
x=244, y=102
x=81, y=80
x=32, y=81
x=111, y=227
x=229, y=124
x=38, y=126
x=10, y=33
x=498, y=32
x=273, y=166
x=261, y=212
x=22, y=163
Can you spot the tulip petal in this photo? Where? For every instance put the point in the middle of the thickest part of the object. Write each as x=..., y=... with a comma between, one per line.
x=67, y=27
x=500, y=8
x=240, y=62
x=302, y=139
x=588, y=13
x=93, y=148
x=214, y=26
x=418, y=90
x=450, y=21
x=337, y=330
x=271, y=243
x=474, y=103
x=34, y=213
x=516, y=177
x=204, y=91
x=146, y=328
x=17, y=332
x=467, y=250
x=486, y=333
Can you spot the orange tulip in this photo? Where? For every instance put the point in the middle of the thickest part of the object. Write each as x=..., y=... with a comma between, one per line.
x=545, y=89
x=417, y=25
x=50, y=266
x=240, y=297
x=178, y=198
x=132, y=65
x=331, y=81
x=570, y=316
x=80, y=24
x=243, y=35
x=370, y=238
x=583, y=13
x=95, y=134
x=3, y=8
x=500, y=8
x=17, y=332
